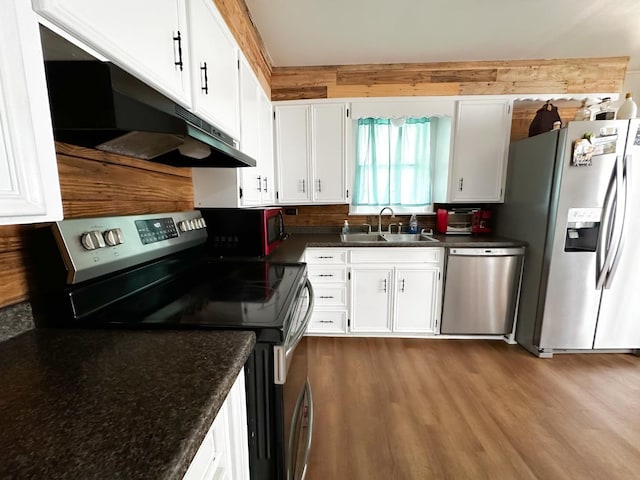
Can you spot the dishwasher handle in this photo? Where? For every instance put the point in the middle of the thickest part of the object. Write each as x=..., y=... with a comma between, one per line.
x=486, y=252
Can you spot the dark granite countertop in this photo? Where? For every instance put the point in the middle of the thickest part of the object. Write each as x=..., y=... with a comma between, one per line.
x=112, y=404
x=292, y=249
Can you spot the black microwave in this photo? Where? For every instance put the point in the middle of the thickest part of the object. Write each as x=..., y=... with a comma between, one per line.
x=243, y=232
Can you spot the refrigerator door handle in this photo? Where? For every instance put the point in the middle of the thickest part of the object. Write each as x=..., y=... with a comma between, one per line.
x=623, y=209
x=603, y=255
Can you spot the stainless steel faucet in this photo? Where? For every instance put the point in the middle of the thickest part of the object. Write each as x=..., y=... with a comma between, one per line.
x=393, y=215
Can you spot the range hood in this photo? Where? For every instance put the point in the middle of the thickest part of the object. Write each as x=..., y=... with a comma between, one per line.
x=98, y=105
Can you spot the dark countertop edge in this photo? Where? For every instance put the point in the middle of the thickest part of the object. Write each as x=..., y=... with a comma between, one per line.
x=190, y=445
x=292, y=249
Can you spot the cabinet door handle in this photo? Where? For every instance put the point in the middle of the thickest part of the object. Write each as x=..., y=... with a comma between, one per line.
x=461, y=186
x=264, y=180
x=259, y=183
x=304, y=190
x=402, y=286
x=177, y=54
x=319, y=186
x=325, y=257
x=328, y=275
x=325, y=321
x=326, y=296
x=385, y=285
x=204, y=79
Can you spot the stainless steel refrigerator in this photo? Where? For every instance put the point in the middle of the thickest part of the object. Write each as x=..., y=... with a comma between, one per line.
x=580, y=213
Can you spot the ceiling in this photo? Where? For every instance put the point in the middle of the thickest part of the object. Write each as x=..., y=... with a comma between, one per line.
x=342, y=32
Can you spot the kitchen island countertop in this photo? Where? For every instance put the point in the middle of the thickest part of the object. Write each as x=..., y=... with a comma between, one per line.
x=112, y=403
x=292, y=249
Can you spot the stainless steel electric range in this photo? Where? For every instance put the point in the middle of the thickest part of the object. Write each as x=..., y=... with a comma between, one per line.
x=153, y=271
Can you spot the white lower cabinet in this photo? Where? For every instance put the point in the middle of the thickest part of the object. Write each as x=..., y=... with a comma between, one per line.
x=417, y=295
x=394, y=291
x=371, y=299
x=327, y=271
x=224, y=452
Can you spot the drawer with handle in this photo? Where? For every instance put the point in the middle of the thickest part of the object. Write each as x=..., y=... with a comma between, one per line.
x=331, y=321
x=331, y=296
x=326, y=256
x=328, y=274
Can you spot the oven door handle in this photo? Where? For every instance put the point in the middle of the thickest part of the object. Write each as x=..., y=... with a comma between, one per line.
x=307, y=451
x=282, y=353
x=302, y=327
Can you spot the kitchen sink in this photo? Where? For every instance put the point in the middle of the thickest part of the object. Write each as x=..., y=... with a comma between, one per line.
x=362, y=237
x=387, y=237
x=408, y=237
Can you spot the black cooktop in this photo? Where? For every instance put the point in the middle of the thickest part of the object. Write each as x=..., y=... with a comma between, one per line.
x=205, y=294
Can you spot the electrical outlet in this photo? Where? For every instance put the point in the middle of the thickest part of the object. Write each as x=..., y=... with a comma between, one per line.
x=291, y=211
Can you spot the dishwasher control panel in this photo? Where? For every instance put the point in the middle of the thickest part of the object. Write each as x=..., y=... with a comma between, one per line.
x=492, y=252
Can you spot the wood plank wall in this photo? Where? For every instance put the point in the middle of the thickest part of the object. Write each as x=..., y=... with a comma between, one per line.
x=95, y=183
x=564, y=76
x=335, y=215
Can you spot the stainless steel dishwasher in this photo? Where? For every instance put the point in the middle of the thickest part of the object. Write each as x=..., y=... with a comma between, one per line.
x=481, y=290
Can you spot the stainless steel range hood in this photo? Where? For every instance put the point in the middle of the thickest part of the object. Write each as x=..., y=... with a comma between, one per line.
x=98, y=105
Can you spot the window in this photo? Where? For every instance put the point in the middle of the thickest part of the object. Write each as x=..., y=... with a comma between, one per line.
x=393, y=164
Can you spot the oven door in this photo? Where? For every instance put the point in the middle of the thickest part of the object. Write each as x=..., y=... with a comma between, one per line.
x=297, y=398
x=300, y=433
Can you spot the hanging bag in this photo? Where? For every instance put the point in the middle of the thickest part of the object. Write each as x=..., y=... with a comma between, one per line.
x=544, y=119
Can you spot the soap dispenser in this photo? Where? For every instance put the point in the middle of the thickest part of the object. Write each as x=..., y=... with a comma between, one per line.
x=413, y=224
x=345, y=228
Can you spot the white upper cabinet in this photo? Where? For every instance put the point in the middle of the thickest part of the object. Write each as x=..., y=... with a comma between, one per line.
x=293, y=153
x=214, y=67
x=148, y=39
x=310, y=153
x=265, y=145
x=29, y=186
x=328, y=123
x=256, y=140
x=247, y=186
x=249, y=139
x=480, y=149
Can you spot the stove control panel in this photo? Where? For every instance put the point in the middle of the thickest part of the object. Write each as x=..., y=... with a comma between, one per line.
x=92, y=247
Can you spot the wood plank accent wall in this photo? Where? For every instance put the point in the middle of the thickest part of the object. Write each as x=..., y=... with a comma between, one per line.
x=335, y=215
x=562, y=76
x=95, y=183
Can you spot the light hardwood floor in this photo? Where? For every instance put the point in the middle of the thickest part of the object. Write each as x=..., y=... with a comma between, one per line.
x=457, y=409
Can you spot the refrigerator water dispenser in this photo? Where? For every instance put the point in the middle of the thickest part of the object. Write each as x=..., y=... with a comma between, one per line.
x=583, y=229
